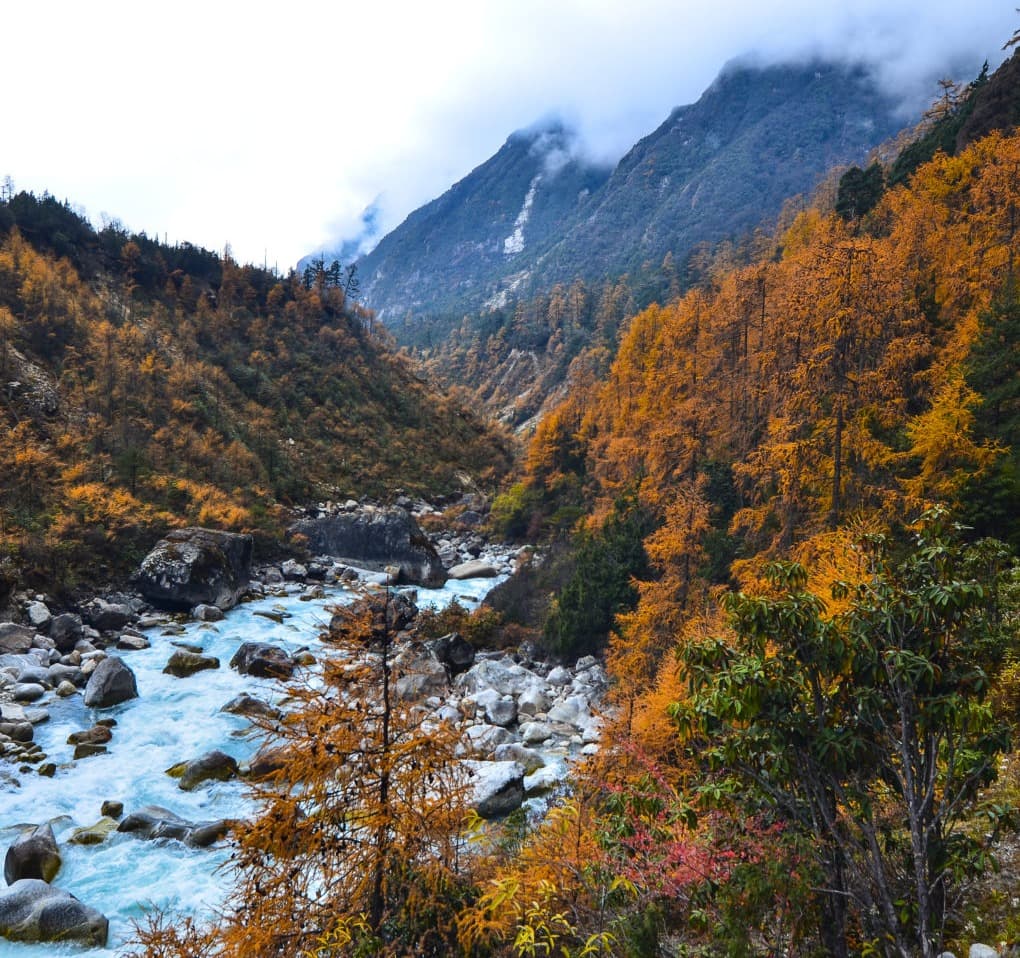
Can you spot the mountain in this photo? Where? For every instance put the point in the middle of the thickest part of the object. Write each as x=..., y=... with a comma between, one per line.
x=536, y=213
x=460, y=247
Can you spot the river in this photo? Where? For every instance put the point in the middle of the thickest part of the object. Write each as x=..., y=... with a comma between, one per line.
x=172, y=720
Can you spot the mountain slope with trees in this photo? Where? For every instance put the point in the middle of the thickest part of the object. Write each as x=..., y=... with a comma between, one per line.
x=148, y=385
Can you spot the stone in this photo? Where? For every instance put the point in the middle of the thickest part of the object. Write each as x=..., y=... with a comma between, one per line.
x=66, y=630
x=111, y=683
x=58, y=673
x=573, y=710
x=530, y=758
x=293, y=571
x=191, y=567
x=558, y=676
x=183, y=663
x=15, y=639
x=498, y=787
x=533, y=700
x=33, y=854
x=214, y=766
x=483, y=740
x=374, y=539
x=543, y=780
x=418, y=672
x=455, y=652
x=245, y=704
x=982, y=951
x=501, y=711
x=535, y=733
x=266, y=762
x=504, y=676
x=132, y=643
x=88, y=749
x=38, y=615
x=93, y=834
x=473, y=569
x=108, y=616
x=263, y=661
x=27, y=692
x=154, y=822
x=97, y=735
x=207, y=613
x=17, y=731
x=31, y=910
x=111, y=809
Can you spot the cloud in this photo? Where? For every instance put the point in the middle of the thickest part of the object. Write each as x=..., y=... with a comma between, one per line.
x=274, y=126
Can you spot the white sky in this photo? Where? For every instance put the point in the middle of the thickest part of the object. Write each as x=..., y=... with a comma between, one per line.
x=271, y=125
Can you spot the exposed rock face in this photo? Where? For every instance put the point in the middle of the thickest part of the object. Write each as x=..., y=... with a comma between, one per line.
x=374, y=539
x=262, y=660
x=193, y=567
x=33, y=855
x=31, y=910
x=111, y=683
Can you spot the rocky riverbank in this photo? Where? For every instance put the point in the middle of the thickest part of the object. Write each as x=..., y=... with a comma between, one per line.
x=521, y=721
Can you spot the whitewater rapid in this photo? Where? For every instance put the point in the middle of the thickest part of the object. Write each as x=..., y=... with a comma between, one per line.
x=171, y=721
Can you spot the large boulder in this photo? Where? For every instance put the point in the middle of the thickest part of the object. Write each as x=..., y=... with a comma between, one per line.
x=196, y=567
x=183, y=663
x=374, y=539
x=263, y=661
x=31, y=910
x=454, y=651
x=111, y=683
x=473, y=569
x=33, y=854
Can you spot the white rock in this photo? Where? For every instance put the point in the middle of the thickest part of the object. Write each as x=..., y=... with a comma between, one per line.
x=543, y=780
x=483, y=740
x=504, y=676
x=982, y=951
x=558, y=676
x=39, y=615
x=498, y=787
x=573, y=710
x=533, y=700
x=530, y=758
x=535, y=733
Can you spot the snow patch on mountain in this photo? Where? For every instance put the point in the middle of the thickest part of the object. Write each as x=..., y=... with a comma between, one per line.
x=514, y=243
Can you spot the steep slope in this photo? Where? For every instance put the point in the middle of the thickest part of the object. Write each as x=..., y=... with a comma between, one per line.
x=533, y=215
x=141, y=391
x=481, y=231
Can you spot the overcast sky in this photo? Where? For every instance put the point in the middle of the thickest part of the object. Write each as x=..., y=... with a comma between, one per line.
x=272, y=126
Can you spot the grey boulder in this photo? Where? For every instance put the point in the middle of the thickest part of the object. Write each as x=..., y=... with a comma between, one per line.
x=191, y=567
x=31, y=910
x=111, y=683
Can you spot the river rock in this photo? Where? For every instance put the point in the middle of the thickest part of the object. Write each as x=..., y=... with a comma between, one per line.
x=419, y=673
x=59, y=672
x=38, y=615
x=31, y=910
x=66, y=689
x=498, y=787
x=15, y=639
x=108, y=616
x=484, y=739
x=111, y=808
x=66, y=630
x=155, y=822
x=97, y=735
x=33, y=854
x=129, y=642
x=17, y=731
x=111, y=683
x=504, y=676
x=245, y=704
x=183, y=663
x=982, y=951
x=473, y=569
x=267, y=762
x=293, y=571
x=263, y=661
x=93, y=834
x=214, y=766
x=535, y=733
x=454, y=651
x=207, y=613
x=530, y=758
x=533, y=700
x=374, y=539
x=27, y=692
x=194, y=566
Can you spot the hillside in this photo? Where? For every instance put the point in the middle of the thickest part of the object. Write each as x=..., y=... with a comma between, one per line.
x=149, y=386
x=533, y=215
